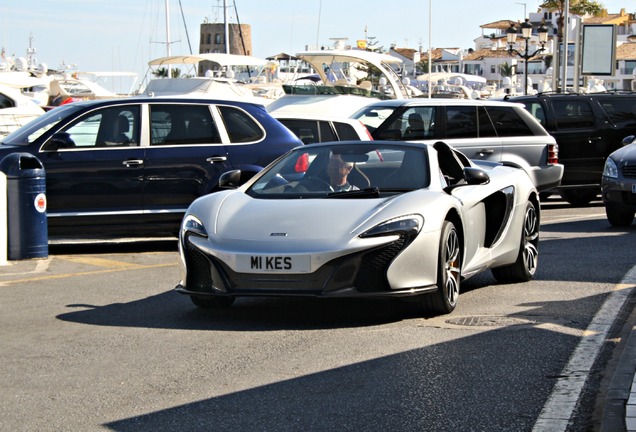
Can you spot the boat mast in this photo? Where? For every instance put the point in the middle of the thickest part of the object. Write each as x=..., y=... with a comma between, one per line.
x=226, y=28
x=168, y=35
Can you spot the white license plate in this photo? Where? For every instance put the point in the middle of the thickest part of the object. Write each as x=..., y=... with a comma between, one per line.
x=273, y=263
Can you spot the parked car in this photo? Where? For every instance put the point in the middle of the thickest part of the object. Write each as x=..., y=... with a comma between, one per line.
x=131, y=166
x=418, y=223
x=619, y=184
x=587, y=128
x=482, y=130
x=319, y=128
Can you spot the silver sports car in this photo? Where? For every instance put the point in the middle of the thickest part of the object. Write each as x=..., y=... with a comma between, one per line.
x=360, y=219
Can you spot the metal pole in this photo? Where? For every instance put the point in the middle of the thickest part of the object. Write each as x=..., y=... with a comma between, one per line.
x=226, y=28
x=525, y=69
x=430, y=55
x=577, y=55
x=566, y=11
x=168, y=36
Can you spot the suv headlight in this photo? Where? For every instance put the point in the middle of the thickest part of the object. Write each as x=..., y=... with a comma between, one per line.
x=610, y=170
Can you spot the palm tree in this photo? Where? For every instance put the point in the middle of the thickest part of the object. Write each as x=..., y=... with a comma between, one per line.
x=506, y=70
x=161, y=72
x=578, y=7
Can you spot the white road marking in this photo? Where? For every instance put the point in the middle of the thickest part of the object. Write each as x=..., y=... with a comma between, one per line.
x=557, y=412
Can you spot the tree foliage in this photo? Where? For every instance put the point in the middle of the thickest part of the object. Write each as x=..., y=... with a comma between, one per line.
x=506, y=70
x=578, y=7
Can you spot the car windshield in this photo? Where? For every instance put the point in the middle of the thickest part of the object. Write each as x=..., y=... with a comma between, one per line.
x=37, y=127
x=344, y=171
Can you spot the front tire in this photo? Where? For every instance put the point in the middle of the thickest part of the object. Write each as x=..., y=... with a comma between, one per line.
x=444, y=300
x=618, y=216
x=525, y=267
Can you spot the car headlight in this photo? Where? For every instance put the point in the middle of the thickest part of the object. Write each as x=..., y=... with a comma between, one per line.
x=409, y=225
x=610, y=169
x=192, y=224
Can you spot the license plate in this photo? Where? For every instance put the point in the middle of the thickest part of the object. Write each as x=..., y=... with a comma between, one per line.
x=273, y=263
x=634, y=188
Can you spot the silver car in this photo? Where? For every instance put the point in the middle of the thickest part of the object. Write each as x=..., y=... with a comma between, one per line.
x=481, y=129
x=415, y=220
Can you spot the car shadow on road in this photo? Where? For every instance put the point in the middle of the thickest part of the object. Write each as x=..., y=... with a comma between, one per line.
x=402, y=391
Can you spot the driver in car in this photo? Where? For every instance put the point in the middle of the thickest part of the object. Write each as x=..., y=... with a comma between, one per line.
x=338, y=171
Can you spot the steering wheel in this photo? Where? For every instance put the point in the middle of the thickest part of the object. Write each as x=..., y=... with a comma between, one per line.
x=315, y=184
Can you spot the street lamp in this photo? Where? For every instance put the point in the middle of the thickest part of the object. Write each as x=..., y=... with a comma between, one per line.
x=526, y=32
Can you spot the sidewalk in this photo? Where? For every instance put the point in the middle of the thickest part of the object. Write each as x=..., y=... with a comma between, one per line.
x=620, y=408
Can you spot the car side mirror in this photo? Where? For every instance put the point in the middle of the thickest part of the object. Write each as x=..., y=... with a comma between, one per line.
x=629, y=140
x=235, y=178
x=475, y=176
x=472, y=176
x=60, y=140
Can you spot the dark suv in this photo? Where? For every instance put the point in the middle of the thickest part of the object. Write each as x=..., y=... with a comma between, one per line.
x=587, y=128
x=132, y=166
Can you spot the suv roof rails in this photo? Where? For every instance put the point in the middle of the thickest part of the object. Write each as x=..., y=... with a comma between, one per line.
x=567, y=93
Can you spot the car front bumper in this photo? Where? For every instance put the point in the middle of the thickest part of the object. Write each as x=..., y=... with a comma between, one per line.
x=359, y=274
x=619, y=191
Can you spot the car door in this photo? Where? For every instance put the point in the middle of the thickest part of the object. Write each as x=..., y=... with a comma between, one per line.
x=469, y=129
x=184, y=158
x=93, y=179
x=580, y=140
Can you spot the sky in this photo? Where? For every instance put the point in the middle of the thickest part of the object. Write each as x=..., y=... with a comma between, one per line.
x=123, y=35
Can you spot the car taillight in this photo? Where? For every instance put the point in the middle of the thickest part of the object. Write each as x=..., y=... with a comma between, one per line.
x=553, y=154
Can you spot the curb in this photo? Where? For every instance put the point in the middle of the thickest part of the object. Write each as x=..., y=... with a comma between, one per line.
x=618, y=394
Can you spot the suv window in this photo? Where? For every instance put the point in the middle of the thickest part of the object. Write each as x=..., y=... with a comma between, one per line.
x=108, y=127
x=240, y=126
x=508, y=122
x=621, y=111
x=461, y=122
x=326, y=133
x=345, y=131
x=486, y=128
x=537, y=111
x=573, y=114
x=416, y=123
x=182, y=124
x=306, y=130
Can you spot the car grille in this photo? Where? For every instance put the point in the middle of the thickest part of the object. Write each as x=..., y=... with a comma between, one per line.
x=629, y=171
x=365, y=271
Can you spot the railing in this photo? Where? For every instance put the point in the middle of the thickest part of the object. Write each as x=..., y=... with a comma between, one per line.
x=9, y=122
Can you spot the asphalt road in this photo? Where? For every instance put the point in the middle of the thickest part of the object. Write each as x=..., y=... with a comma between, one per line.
x=94, y=338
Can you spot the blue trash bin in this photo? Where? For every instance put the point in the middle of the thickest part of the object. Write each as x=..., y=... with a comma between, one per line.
x=27, y=230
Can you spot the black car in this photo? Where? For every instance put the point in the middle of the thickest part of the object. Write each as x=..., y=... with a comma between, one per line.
x=619, y=184
x=132, y=166
x=587, y=128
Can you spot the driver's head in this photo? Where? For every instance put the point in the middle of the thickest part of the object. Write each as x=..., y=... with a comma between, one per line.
x=338, y=170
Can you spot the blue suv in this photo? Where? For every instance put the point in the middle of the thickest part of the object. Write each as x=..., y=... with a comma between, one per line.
x=132, y=166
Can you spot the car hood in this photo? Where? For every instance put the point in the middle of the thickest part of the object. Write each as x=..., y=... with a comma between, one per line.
x=236, y=221
x=627, y=153
x=244, y=218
